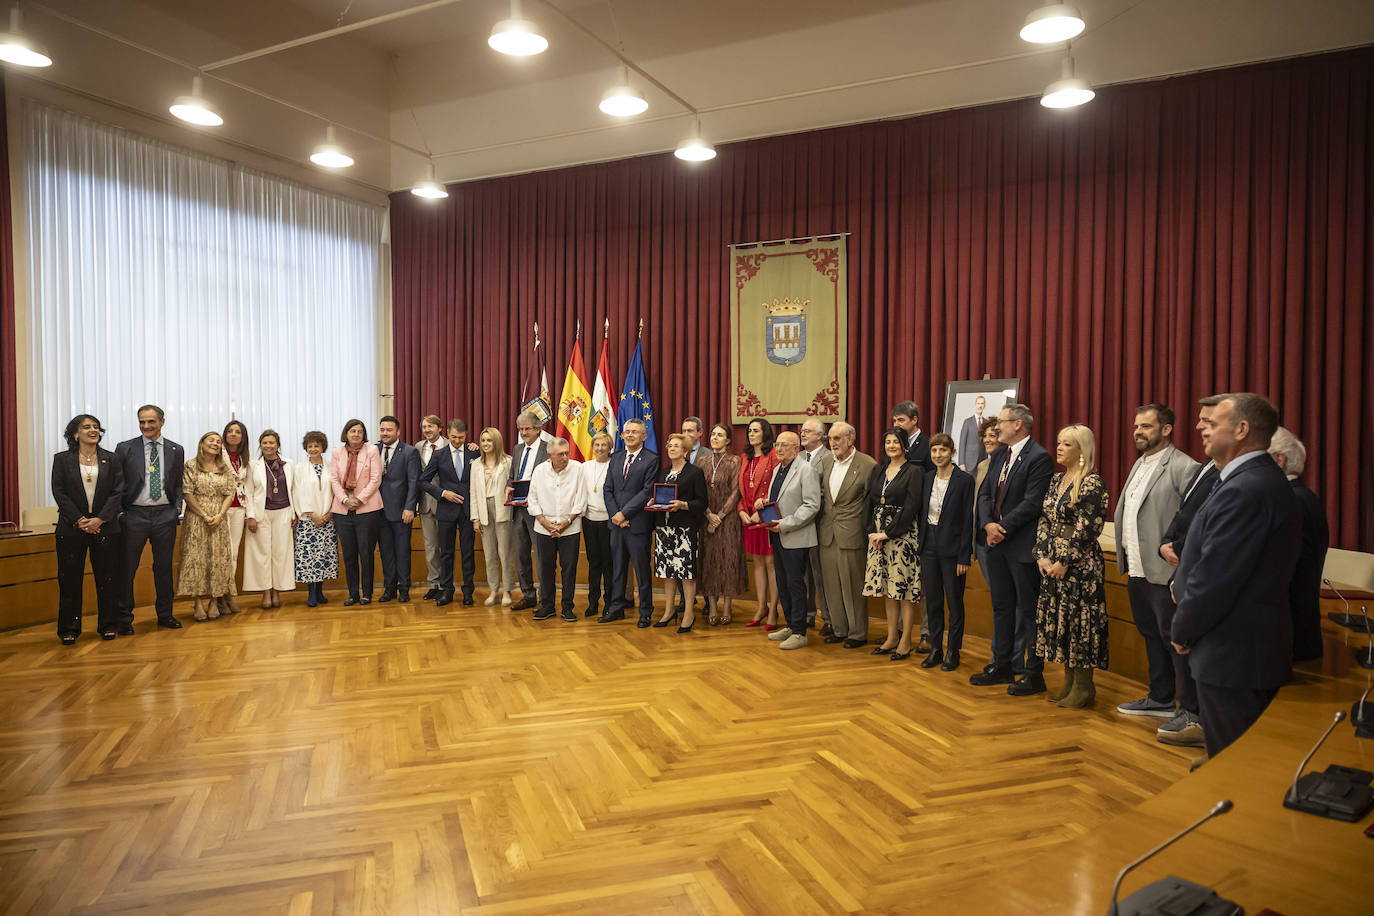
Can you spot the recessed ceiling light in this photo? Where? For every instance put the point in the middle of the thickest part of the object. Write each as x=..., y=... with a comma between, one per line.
x=194, y=109
x=329, y=154
x=18, y=50
x=1052, y=24
x=517, y=36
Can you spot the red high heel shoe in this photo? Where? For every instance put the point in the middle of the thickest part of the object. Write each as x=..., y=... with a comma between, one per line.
x=770, y=627
x=755, y=622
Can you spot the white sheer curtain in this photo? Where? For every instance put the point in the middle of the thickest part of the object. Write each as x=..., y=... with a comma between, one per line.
x=158, y=275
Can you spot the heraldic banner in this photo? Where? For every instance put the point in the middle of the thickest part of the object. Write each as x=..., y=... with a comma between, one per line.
x=788, y=312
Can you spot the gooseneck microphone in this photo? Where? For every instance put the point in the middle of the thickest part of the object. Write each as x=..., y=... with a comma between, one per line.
x=1335, y=720
x=1366, y=658
x=1337, y=592
x=1219, y=808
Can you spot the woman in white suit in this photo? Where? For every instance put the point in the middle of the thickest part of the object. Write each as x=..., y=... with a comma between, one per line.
x=268, y=563
x=317, y=546
x=491, y=516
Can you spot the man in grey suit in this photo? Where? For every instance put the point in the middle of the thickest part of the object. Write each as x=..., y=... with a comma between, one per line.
x=970, y=443
x=431, y=428
x=813, y=452
x=796, y=489
x=527, y=455
x=842, y=530
x=1148, y=503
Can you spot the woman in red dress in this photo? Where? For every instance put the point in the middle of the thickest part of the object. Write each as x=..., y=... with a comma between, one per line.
x=754, y=479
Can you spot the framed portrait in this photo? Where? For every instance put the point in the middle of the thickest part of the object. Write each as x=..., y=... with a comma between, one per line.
x=967, y=404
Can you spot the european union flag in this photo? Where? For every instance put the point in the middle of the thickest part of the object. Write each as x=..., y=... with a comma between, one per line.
x=635, y=403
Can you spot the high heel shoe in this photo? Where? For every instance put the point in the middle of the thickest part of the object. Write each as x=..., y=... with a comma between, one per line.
x=879, y=650
x=755, y=622
x=770, y=627
x=688, y=628
x=899, y=656
x=666, y=620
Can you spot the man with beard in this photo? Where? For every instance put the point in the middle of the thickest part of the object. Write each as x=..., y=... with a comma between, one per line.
x=1148, y=503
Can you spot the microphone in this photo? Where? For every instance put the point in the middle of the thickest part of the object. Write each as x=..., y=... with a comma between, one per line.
x=1363, y=722
x=1366, y=658
x=1340, y=793
x=1171, y=885
x=1347, y=619
x=1335, y=720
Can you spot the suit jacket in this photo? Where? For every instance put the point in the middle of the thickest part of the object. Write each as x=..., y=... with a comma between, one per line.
x=70, y=491
x=798, y=501
x=255, y=487
x=1160, y=504
x=980, y=473
x=904, y=492
x=400, y=484
x=478, y=493
x=628, y=495
x=368, y=481
x=970, y=445
x=133, y=458
x=843, y=521
x=541, y=454
x=952, y=539
x=1304, y=592
x=918, y=452
x=700, y=451
x=440, y=475
x=1195, y=493
x=311, y=495
x=427, y=503
x=1022, y=501
x=691, y=489
x=815, y=460
x=1232, y=580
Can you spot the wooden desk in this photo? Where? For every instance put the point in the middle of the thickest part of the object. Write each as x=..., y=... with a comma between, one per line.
x=1259, y=855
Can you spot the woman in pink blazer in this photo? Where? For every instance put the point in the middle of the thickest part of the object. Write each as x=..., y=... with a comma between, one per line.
x=355, y=474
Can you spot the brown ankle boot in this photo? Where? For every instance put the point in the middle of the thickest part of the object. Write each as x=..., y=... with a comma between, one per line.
x=1083, y=692
x=1063, y=691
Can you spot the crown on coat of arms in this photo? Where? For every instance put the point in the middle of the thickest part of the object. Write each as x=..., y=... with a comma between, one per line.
x=787, y=306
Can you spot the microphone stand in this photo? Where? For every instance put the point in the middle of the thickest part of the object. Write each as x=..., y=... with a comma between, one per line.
x=1149, y=898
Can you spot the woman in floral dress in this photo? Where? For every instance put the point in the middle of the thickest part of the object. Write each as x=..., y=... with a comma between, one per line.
x=1071, y=616
x=722, y=545
x=893, y=569
x=207, y=566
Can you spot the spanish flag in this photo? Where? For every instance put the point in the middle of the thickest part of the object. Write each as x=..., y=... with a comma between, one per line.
x=575, y=406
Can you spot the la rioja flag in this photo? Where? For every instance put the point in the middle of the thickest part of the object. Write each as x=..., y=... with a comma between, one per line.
x=605, y=396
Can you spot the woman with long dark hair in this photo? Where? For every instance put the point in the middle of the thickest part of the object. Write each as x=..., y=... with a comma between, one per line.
x=754, y=478
x=88, y=485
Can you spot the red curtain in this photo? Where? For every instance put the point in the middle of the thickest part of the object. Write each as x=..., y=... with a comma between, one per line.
x=1170, y=240
x=9, y=402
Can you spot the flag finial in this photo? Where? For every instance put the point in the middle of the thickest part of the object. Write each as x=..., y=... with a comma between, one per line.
x=606, y=334
x=641, y=328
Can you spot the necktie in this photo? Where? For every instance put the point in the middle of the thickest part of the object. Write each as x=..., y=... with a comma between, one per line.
x=629, y=460
x=524, y=458
x=386, y=458
x=808, y=457
x=458, y=462
x=154, y=472
x=1001, y=486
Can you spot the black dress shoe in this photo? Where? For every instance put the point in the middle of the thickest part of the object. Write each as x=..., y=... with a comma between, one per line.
x=350, y=601
x=124, y=629
x=169, y=623
x=524, y=604
x=403, y=596
x=951, y=661
x=443, y=599
x=542, y=614
x=568, y=614
x=589, y=612
x=855, y=643
x=899, y=656
x=467, y=601
x=108, y=635
x=831, y=640
x=1026, y=686
x=431, y=594
x=387, y=596
x=934, y=658
x=992, y=675
x=608, y=617
x=367, y=599
x=644, y=622
x=881, y=651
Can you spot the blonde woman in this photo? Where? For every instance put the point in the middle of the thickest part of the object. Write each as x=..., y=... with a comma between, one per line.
x=1071, y=615
x=267, y=560
x=596, y=523
x=491, y=517
x=207, y=568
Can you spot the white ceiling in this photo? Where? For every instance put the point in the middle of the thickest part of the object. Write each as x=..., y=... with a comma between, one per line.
x=429, y=81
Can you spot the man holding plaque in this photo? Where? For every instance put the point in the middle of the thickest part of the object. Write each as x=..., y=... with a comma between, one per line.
x=529, y=453
x=794, y=498
x=629, y=486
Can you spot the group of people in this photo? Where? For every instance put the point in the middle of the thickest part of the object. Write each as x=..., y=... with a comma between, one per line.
x=826, y=526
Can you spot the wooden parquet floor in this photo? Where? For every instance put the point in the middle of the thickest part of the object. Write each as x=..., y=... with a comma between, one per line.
x=408, y=759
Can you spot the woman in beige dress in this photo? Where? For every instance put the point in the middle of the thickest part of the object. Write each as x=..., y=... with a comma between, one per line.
x=207, y=566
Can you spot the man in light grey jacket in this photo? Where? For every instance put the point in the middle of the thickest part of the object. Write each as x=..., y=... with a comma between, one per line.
x=796, y=488
x=1149, y=500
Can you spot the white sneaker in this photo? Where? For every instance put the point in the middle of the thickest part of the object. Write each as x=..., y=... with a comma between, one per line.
x=491, y=599
x=780, y=635
x=795, y=641
x=505, y=599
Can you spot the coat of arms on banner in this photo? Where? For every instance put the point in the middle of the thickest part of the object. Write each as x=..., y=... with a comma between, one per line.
x=785, y=330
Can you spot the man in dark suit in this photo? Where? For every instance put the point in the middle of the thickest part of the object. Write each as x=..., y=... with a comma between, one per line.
x=1304, y=592
x=970, y=449
x=1233, y=620
x=1009, y=506
x=907, y=417
x=1195, y=493
x=528, y=454
x=153, y=469
x=446, y=478
x=629, y=485
x=400, y=489
x=692, y=428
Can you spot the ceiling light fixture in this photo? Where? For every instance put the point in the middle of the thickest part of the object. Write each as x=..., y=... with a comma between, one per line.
x=1051, y=24
x=18, y=50
x=695, y=148
x=329, y=154
x=517, y=36
x=1069, y=91
x=622, y=100
x=429, y=189
x=194, y=109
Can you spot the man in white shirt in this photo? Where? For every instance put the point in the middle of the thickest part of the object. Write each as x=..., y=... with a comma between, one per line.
x=813, y=453
x=528, y=454
x=1149, y=500
x=557, y=501
x=430, y=428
